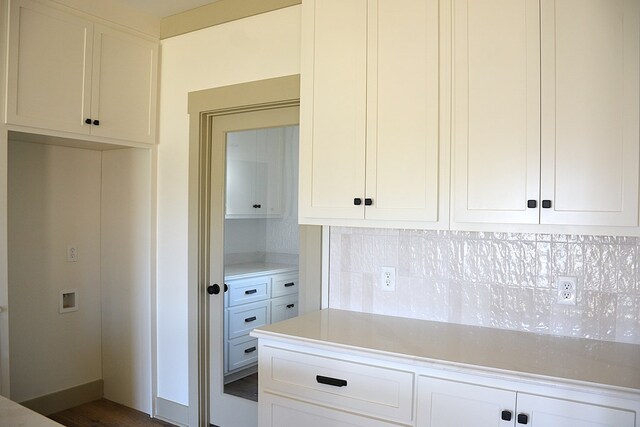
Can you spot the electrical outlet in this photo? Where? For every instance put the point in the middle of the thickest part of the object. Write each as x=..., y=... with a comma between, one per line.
x=72, y=253
x=567, y=287
x=388, y=279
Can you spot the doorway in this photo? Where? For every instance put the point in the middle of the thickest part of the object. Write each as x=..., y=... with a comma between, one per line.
x=220, y=117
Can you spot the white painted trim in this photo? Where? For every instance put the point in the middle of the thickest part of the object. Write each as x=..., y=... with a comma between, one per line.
x=153, y=274
x=324, y=303
x=171, y=412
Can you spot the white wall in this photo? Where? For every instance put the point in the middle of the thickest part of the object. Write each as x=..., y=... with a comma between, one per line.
x=255, y=48
x=54, y=201
x=126, y=282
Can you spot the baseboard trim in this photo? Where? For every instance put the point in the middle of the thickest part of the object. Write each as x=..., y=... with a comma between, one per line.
x=65, y=399
x=172, y=412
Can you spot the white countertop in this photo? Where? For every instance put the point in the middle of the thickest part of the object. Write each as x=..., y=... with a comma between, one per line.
x=604, y=363
x=13, y=414
x=241, y=271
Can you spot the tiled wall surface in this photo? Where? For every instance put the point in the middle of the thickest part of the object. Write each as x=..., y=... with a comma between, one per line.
x=501, y=280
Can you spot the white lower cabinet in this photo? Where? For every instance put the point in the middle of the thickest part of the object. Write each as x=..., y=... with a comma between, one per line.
x=445, y=403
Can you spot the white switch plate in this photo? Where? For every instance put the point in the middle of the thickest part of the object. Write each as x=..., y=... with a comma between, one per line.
x=72, y=253
x=388, y=279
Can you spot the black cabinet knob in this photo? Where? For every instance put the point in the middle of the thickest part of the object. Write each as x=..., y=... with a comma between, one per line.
x=213, y=289
x=357, y=201
x=506, y=415
x=531, y=204
x=546, y=204
x=523, y=419
x=87, y=121
x=368, y=202
x=96, y=122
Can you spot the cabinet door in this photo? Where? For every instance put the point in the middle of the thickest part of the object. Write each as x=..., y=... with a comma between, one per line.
x=50, y=60
x=496, y=110
x=270, y=171
x=402, y=173
x=333, y=108
x=590, y=106
x=548, y=412
x=241, y=174
x=276, y=411
x=443, y=403
x=124, y=86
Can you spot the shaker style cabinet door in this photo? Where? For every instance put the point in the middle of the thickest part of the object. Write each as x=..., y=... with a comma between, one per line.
x=496, y=110
x=50, y=63
x=124, y=86
x=333, y=108
x=590, y=111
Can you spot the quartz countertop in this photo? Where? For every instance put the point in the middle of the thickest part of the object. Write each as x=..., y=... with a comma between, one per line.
x=13, y=414
x=239, y=271
x=615, y=365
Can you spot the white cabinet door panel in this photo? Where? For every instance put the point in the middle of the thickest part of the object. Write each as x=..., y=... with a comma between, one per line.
x=496, y=115
x=124, y=86
x=548, y=412
x=50, y=62
x=332, y=146
x=590, y=111
x=403, y=94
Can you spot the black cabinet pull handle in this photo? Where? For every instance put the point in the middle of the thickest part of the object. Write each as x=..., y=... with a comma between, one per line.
x=336, y=382
x=506, y=415
x=250, y=350
x=523, y=419
x=357, y=201
x=250, y=319
x=87, y=121
x=257, y=206
x=531, y=204
x=249, y=292
x=546, y=204
x=368, y=202
x=213, y=289
x=290, y=305
x=96, y=122
x=290, y=284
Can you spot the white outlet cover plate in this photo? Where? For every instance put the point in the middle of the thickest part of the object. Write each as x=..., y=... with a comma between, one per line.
x=567, y=290
x=388, y=279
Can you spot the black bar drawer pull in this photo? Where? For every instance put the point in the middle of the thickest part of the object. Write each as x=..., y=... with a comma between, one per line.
x=250, y=319
x=290, y=305
x=290, y=284
x=336, y=382
x=250, y=350
x=252, y=291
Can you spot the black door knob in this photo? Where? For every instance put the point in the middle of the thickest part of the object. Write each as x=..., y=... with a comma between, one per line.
x=96, y=122
x=226, y=288
x=213, y=289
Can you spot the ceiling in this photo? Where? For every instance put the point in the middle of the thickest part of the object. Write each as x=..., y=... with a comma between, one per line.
x=164, y=8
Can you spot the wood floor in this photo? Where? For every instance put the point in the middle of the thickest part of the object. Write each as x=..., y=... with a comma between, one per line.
x=103, y=413
x=246, y=387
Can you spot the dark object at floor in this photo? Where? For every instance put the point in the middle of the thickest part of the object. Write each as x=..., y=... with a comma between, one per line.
x=104, y=413
x=246, y=387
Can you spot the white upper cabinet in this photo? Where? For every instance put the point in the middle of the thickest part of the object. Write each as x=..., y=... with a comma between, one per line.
x=546, y=111
x=370, y=145
x=69, y=74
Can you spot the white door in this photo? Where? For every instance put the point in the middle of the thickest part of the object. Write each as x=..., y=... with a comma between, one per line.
x=496, y=111
x=590, y=111
x=226, y=409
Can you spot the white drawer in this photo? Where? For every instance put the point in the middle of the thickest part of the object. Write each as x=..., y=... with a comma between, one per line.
x=284, y=308
x=355, y=387
x=249, y=290
x=244, y=318
x=284, y=284
x=242, y=352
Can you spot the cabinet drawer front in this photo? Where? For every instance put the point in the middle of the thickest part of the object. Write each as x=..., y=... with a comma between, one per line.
x=242, y=352
x=244, y=318
x=284, y=308
x=248, y=290
x=371, y=390
x=284, y=284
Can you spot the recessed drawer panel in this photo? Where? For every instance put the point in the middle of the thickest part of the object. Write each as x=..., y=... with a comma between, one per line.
x=370, y=390
x=244, y=318
x=249, y=290
x=242, y=352
x=284, y=284
x=284, y=308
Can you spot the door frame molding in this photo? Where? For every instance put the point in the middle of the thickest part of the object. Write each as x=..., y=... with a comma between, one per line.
x=203, y=107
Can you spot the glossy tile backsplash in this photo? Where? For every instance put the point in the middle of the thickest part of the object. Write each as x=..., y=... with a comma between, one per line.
x=501, y=280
